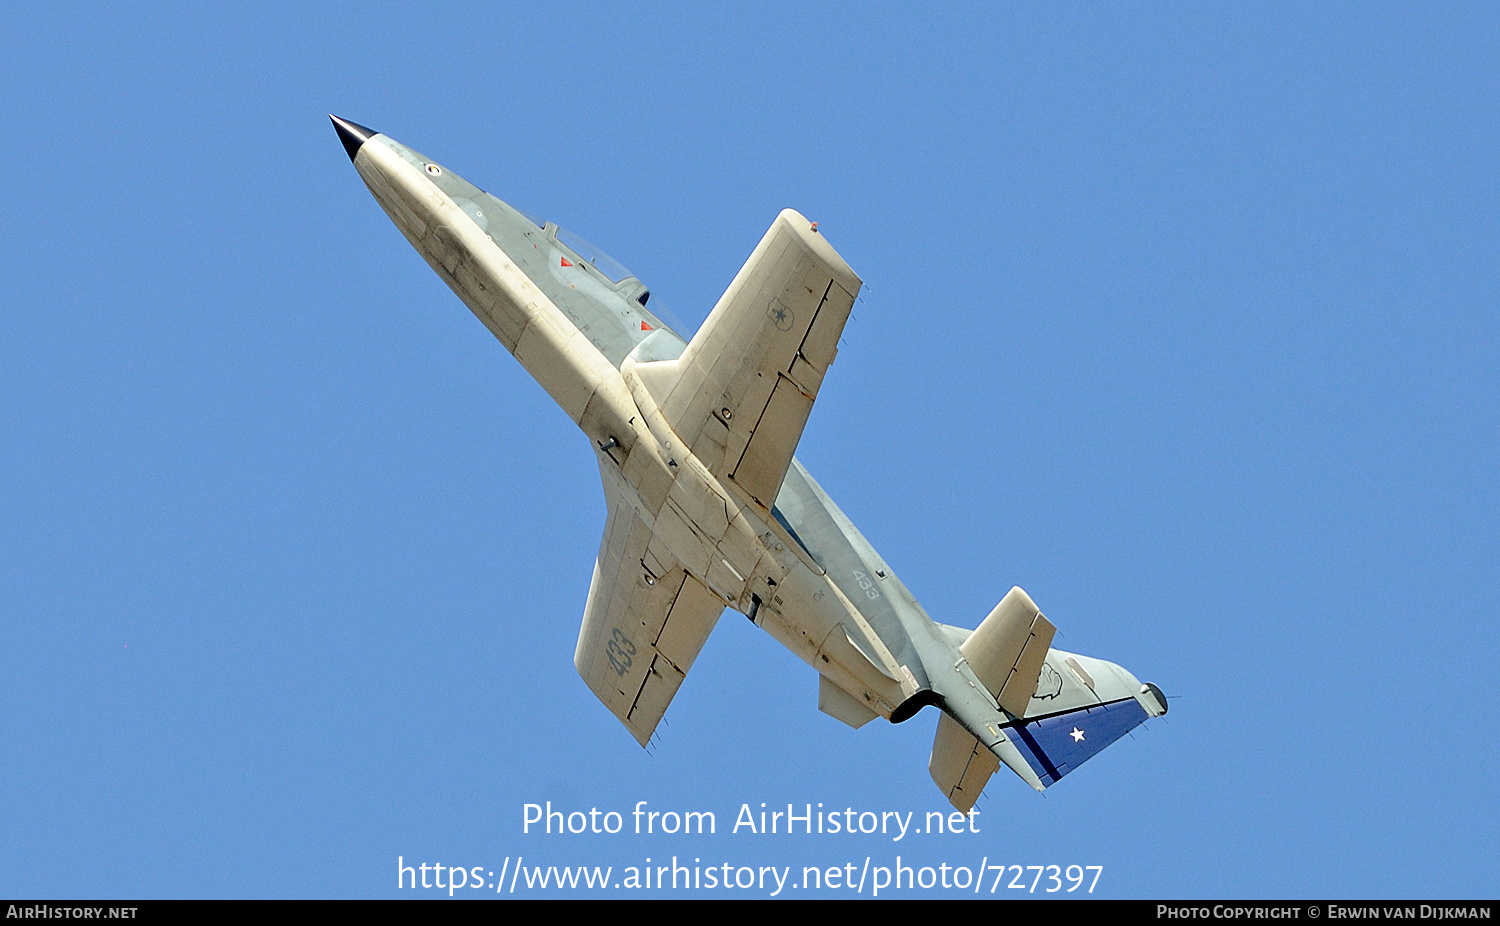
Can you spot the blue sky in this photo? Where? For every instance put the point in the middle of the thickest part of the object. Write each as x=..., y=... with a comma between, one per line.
x=1182, y=318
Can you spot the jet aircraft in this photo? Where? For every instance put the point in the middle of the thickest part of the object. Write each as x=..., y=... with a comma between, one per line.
x=708, y=508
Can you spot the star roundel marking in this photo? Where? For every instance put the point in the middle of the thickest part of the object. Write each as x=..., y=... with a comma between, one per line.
x=1077, y=735
x=780, y=315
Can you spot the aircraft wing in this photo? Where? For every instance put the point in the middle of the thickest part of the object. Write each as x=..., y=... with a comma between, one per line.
x=741, y=392
x=645, y=621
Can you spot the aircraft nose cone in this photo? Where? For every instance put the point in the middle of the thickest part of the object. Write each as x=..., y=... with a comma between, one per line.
x=352, y=134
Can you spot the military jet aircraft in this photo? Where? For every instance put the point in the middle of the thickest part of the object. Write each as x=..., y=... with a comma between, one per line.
x=708, y=508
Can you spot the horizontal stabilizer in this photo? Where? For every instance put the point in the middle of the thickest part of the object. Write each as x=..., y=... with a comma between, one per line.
x=960, y=765
x=1007, y=651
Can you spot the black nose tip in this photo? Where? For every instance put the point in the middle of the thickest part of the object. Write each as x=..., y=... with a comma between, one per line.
x=352, y=134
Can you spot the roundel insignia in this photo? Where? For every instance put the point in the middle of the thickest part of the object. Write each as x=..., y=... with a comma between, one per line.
x=778, y=312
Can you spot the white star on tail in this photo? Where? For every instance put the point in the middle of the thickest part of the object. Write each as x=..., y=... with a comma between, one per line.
x=1077, y=735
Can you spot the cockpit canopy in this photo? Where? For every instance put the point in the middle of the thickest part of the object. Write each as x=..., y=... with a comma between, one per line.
x=590, y=253
x=627, y=284
x=599, y=260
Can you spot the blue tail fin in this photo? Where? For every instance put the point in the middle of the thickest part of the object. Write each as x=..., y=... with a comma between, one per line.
x=1056, y=745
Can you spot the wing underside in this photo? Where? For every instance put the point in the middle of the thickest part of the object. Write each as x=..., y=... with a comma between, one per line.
x=645, y=621
x=738, y=397
x=740, y=394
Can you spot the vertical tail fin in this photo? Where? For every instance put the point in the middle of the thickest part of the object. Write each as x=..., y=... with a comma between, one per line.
x=1058, y=710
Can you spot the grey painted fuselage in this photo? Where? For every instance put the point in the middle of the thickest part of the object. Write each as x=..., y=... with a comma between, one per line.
x=803, y=572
